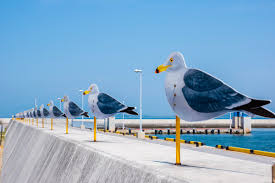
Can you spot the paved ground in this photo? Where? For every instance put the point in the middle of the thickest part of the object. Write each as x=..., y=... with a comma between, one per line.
x=200, y=164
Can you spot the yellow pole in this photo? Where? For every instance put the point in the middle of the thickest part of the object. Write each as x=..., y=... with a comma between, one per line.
x=32, y=121
x=94, y=129
x=37, y=122
x=29, y=121
x=177, y=140
x=51, y=123
x=42, y=122
x=67, y=124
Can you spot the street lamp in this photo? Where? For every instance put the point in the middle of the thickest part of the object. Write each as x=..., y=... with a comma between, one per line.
x=82, y=124
x=140, y=97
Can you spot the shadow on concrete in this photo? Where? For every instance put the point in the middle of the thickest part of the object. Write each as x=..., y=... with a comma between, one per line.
x=101, y=141
x=201, y=167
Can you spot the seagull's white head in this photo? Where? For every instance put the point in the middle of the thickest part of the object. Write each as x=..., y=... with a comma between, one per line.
x=42, y=106
x=174, y=62
x=93, y=89
x=50, y=104
x=65, y=99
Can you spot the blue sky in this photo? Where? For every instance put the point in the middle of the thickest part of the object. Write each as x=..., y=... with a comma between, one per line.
x=50, y=48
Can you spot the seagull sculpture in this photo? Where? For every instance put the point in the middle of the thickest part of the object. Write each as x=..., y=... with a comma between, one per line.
x=71, y=109
x=44, y=112
x=54, y=112
x=104, y=106
x=31, y=113
x=34, y=113
x=195, y=95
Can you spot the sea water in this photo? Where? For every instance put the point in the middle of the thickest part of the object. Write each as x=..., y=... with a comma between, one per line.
x=259, y=139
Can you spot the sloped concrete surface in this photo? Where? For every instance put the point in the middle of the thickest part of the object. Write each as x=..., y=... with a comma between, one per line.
x=39, y=155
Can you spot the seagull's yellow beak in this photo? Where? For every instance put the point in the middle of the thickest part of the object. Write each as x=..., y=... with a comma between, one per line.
x=162, y=68
x=48, y=104
x=62, y=100
x=86, y=92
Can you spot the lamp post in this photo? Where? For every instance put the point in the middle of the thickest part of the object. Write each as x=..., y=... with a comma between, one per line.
x=82, y=124
x=140, y=97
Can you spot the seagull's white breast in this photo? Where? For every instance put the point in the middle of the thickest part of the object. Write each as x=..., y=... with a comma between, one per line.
x=66, y=110
x=92, y=101
x=51, y=111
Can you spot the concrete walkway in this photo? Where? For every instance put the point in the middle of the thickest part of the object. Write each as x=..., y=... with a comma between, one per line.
x=200, y=164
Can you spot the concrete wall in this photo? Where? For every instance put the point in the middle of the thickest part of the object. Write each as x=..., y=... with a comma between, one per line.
x=170, y=123
x=35, y=156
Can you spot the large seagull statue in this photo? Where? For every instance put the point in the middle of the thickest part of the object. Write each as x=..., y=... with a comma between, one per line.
x=195, y=95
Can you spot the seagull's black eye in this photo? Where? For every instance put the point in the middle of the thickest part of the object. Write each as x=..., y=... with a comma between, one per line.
x=171, y=60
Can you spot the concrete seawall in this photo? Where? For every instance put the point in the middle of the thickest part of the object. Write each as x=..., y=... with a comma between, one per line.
x=34, y=156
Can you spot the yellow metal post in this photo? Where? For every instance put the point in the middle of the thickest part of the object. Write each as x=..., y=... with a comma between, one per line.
x=67, y=125
x=42, y=122
x=37, y=122
x=51, y=123
x=32, y=121
x=94, y=129
x=177, y=140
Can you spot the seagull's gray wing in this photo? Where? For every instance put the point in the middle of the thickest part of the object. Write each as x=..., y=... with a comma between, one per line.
x=108, y=105
x=74, y=109
x=206, y=94
x=34, y=115
x=45, y=112
x=56, y=112
x=38, y=113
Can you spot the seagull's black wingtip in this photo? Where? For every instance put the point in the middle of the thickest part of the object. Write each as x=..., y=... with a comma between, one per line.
x=85, y=114
x=130, y=110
